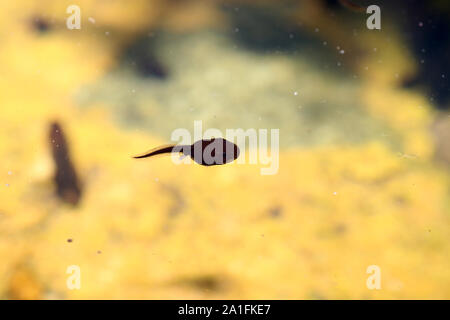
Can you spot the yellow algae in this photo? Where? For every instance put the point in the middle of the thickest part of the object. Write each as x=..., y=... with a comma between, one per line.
x=23, y=284
x=384, y=61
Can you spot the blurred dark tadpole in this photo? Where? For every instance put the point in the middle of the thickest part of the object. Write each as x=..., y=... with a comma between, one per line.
x=66, y=180
x=151, y=67
x=40, y=24
x=142, y=57
x=203, y=282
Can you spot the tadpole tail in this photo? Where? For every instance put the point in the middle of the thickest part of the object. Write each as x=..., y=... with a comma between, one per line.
x=160, y=150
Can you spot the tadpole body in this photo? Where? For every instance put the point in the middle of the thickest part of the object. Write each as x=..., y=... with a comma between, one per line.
x=215, y=151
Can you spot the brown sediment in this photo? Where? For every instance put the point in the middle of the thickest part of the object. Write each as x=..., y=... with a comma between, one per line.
x=67, y=185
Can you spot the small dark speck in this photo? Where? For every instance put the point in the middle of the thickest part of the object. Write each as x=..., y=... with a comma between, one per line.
x=340, y=228
x=275, y=212
x=99, y=252
x=400, y=200
x=69, y=240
